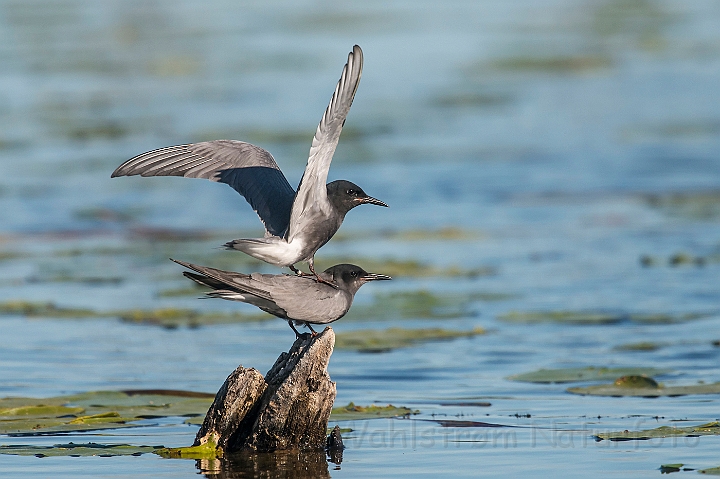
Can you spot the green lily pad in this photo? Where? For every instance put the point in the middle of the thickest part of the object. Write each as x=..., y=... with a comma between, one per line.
x=71, y=449
x=591, y=373
x=38, y=411
x=209, y=450
x=373, y=341
x=351, y=412
x=713, y=471
x=615, y=390
x=709, y=429
x=636, y=382
x=97, y=410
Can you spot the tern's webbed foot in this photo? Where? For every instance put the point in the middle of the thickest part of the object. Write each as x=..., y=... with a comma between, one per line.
x=318, y=279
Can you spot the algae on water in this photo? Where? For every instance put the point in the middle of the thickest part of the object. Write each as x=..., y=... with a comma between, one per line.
x=97, y=410
x=78, y=450
x=636, y=388
x=351, y=412
x=373, y=341
x=590, y=373
x=708, y=429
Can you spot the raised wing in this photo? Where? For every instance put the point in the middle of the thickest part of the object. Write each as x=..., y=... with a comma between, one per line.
x=312, y=192
x=248, y=169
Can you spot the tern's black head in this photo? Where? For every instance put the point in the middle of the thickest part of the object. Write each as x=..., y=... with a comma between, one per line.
x=350, y=277
x=345, y=196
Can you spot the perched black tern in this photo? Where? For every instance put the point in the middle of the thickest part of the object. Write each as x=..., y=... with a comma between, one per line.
x=296, y=224
x=298, y=299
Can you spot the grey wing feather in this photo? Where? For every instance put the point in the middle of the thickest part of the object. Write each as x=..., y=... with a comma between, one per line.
x=248, y=169
x=226, y=279
x=205, y=280
x=316, y=303
x=312, y=191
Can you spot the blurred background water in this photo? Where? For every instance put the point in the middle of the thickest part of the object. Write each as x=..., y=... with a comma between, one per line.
x=557, y=156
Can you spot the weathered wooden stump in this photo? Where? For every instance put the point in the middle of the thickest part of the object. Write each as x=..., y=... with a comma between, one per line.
x=286, y=410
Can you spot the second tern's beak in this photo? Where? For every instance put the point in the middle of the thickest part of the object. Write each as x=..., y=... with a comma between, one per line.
x=375, y=277
x=371, y=201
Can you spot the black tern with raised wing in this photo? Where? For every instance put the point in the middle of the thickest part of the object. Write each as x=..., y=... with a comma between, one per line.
x=298, y=299
x=298, y=223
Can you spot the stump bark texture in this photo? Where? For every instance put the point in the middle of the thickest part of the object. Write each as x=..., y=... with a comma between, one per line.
x=288, y=409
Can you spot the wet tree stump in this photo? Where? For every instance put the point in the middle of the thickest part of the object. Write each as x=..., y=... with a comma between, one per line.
x=288, y=409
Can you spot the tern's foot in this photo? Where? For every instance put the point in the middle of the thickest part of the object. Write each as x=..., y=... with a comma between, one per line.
x=313, y=333
x=318, y=279
x=298, y=272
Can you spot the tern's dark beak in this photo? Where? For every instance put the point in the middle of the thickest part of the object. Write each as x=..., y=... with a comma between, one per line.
x=371, y=201
x=375, y=277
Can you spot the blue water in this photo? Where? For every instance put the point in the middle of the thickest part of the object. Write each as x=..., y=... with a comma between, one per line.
x=567, y=139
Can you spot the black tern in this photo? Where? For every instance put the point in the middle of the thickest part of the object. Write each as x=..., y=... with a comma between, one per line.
x=296, y=224
x=298, y=299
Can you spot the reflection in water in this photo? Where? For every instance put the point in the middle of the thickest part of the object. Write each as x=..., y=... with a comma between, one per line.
x=281, y=464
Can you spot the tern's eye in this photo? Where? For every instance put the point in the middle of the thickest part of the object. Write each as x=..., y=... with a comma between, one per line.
x=351, y=192
x=354, y=274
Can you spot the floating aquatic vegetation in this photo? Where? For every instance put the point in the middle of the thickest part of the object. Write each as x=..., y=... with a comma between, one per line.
x=636, y=382
x=473, y=99
x=78, y=450
x=640, y=21
x=692, y=205
x=351, y=412
x=447, y=233
x=188, y=291
x=166, y=317
x=413, y=304
x=708, y=429
x=569, y=317
x=209, y=450
x=67, y=278
x=108, y=214
x=679, y=259
x=374, y=341
x=173, y=318
x=643, y=387
x=599, y=317
x=96, y=410
x=9, y=255
x=44, y=310
x=591, y=373
x=169, y=234
x=644, y=346
x=408, y=268
x=662, y=318
x=713, y=471
x=553, y=64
